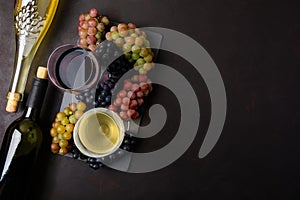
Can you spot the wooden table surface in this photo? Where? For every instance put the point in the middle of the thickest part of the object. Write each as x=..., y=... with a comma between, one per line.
x=255, y=45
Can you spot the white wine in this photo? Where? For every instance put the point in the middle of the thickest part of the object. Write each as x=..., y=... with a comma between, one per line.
x=32, y=21
x=21, y=144
x=99, y=133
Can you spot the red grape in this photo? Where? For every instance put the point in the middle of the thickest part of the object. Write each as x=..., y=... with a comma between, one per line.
x=126, y=101
x=93, y=12
x=118, y=101
x=122, y=94
x=124, y=107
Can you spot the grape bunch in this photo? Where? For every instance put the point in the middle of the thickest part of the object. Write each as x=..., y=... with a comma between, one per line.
x=91, y=29
x=116, y=65
x=134, y=44
x=130, y=98
x=63, y=126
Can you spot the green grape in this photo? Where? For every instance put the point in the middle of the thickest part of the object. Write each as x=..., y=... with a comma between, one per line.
x=60, y=116
x=148, y=58
x=146, y=43
x=135, y=56
x=126, y=47
x=142, y=71
x=129, y=40
x=134, y=35
x=130, y=31
x=53, y=132
x=63, y=151
x=63, y=143
x=139, y=41
x=67, y=135
x=140, y=61
x=81, y=106
x=147, y=66
x=68, y=111
x=115, y=35
x=55, y=139
x=108, y=36
x=60, y=136
x=135, y=49
x=69, y=127
x=60, y=129
x=105, y=20
x=127, y=55
x=65, y=121
x=72, y=119
x=120, y=42
x=123, y=32
x=137, y=67
x=78, y=114
x=72, y=106
x=144, y=52
x=98, y=35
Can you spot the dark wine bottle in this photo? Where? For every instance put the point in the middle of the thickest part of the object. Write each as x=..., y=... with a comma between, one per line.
x=21, y=144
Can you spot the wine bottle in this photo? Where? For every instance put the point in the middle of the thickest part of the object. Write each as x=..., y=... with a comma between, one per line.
x=21, y=143
x=32, y=21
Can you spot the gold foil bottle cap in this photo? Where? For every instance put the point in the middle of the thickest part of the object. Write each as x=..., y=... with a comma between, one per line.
x=42, y=72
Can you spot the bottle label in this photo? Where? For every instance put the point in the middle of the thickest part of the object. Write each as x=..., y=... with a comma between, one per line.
x=15, y=140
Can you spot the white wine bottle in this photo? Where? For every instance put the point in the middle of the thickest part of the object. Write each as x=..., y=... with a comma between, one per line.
x=21, y=143
x=32, y=21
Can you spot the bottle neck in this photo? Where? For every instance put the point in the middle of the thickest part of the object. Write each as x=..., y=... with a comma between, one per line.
x=32, y=113
x=35, y=98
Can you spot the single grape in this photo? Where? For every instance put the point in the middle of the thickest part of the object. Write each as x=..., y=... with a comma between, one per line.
x=72, y=106
x=113, y=108
x=53, y=132
x=68, y=111
x=91, y=39
x=124, y=107
x=55, y=139
x=72, y=119
x=131, y=95
x=126, y=101
x=70, y=127
x=122, y=94
x=133, y=104
x=81, y=106
x=93, y=22
x=93, y=12
x=67, y=135
x=131, y=26
x=60, y=129
x=135, y=87
x=108, y=36
x=92, y=31
x=139, y=94
x=60, y=116
x=54, y=148
x=81, y=17
x=118, y=101
x=105, y=20
x=78, y=114
x=100, y=27
x=65, y=121
x=63, y=143
x=139, y=41
x=60, y=136
x=129, y=40
x=63, y=151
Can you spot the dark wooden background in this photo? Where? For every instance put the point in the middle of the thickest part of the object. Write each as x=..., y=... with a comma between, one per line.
x=256, y=47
